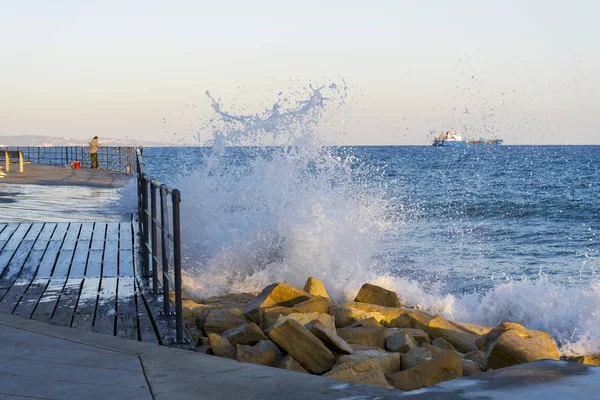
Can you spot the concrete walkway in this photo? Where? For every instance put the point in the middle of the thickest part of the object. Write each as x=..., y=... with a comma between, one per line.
x=39, y=360
x=35, y=174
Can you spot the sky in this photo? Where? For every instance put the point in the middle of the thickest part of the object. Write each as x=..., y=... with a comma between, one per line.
x=524, y=71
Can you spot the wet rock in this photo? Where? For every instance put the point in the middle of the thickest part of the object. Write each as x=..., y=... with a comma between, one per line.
x=429, y=372
x=399, y=342
x=307, y=319
x=330, y=339
x=275, y=295
x=345, y=315
x=414, y=357
x=517, y=346
x=372, y=336
x=317, y=304
x=372, y=294
x=315, y=287
x=419, y=335
x=389, y=313
x=592, y=359
x=361, y=371
x=248, y=334
x=442, y=344
x=291, y=365
x=461, y=340
x=475, y=328
x=264, y=352
x=218, y=321
x=410, y=318
x=371, y=321
x=389, y=362
x=195, y=334
x=303, y=346
x=484, y=342
x=477, y=356
x=221, y=346
x=470, y=368
x=437, y=351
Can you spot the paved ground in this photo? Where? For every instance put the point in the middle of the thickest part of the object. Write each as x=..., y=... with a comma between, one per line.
x=39, y=360
x=58, y=175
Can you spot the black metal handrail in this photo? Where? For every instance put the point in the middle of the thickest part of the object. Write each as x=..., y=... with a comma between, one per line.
x=153, y=254
x=121, y=159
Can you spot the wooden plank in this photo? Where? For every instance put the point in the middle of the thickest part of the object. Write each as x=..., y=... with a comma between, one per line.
x=65, y=308
x=13, y=296
x=2, y=226
x=51, y=253
x=164, y=325
x=87, y=228
x=63, y=264
x=14, y=267
x=71, y=236
x=94, y=264
x=7, y=233
x=146, y=329
x=12, y=245
x=60, y=231
x=126, y=262
x=31, y=297
x=34, y=231
x=127, y=326
x=98, y=236
x=110, y=261
x=107, y=307
x=47, y=304
x=125, y=235
x=32, y=264
x=79, y=262
x=112, y=231
x=86, y=306
x=44, y=236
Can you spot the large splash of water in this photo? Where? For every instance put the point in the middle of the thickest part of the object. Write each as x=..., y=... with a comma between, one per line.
x=273, y=202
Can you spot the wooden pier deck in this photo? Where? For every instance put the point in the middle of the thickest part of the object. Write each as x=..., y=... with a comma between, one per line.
x=35, y=174
x=80, y=275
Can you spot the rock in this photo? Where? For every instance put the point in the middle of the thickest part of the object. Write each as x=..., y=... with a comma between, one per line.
x=389, y=362
x=218, y=321
x=437, y=351
x=317, y=304
x=400, y=342
x=196, y=334
x=372, y=336
x=411, y=319
x=593, y=359
x=264, y=352
x=345, y=315
x=248, y=333
x=275, y=295
x=460, y=339
x=307, y=319
x=361, y=371
x=305, y=347
x=477, y=356
x=484, y=342
x=221, y=346
x=442, y=344
x=470, y=367
x=360, y=347
x=231, y=300
x=517, y=346
x=188, y=308
x=474, y=328
x=330, y=339
x=414, y=357
x=377, y=295
x=389, y=313
x=203, y=349
x=429, y=372
x=201, y=320
x=371, y=321
x=315, y=287
x=291, y=365
x=419, y=335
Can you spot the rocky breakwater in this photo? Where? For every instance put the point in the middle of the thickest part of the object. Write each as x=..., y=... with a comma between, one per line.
x=373, y=340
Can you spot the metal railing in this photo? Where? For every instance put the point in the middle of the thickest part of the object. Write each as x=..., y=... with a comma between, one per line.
x=121, y=159
x=155, y=254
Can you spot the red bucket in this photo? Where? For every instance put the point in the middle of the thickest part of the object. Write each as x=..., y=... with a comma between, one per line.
x=76, y=164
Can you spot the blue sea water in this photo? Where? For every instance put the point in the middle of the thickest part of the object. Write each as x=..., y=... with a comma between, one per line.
x=481, y=234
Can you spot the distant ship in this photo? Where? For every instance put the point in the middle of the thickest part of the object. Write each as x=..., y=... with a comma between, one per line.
x=451, y=139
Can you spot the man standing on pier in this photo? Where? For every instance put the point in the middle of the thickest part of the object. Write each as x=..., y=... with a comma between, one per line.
x=94, y=152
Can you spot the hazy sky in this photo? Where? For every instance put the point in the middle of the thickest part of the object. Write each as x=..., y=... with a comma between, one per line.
x=526, y=71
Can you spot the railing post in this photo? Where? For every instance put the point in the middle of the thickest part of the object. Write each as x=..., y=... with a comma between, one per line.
x=154, y=239
x=164, y=225
x=176, y=198
x=144, y=219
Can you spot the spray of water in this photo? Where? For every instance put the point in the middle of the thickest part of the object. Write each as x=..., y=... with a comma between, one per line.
x=271, y=201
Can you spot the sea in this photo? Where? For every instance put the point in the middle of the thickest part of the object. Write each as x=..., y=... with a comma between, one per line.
x=477, y=234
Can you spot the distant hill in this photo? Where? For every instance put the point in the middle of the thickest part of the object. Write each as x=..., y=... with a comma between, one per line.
x=49, y=141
